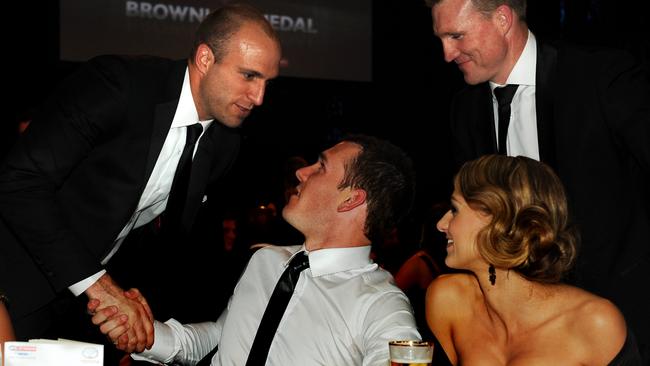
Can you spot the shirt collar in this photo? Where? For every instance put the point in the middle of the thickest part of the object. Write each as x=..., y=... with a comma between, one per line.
x=186, y=113
x=524, y=71
x=332, y=260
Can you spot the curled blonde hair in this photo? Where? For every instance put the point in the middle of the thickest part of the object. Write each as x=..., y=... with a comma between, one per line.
x=529, y=229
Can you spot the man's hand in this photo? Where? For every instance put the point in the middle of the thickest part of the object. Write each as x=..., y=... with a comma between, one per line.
x=124, y=316
x=111, y=323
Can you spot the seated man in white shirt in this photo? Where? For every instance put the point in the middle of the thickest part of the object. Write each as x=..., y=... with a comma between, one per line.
x=344, y=308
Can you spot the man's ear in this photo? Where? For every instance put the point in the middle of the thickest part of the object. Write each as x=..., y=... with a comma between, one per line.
x=504, y=17
x=203, y=57
x=351, y=199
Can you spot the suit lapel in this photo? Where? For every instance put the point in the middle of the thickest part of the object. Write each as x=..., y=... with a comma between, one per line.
x=486, y=140
x=164, y=113
x=163, y=116
x=545, y=83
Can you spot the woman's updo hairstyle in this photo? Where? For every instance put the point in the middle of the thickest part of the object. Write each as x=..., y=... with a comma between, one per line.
x=529, y=231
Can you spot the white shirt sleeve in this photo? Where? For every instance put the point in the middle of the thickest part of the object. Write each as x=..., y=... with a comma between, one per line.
x=81, y=286
x=388, y=318
x=183, y=343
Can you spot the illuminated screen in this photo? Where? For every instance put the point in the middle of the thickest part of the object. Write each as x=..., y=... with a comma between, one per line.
x=323, y=39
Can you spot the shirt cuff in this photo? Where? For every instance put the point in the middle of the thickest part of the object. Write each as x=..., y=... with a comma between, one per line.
x=81, y=286
x=164, y=347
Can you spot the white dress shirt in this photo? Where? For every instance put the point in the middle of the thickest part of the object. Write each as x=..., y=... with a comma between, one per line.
x=344, y=310
x=154, y=197
x=522, y=130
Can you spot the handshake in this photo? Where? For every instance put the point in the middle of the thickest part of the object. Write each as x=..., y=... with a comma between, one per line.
x=123, y=316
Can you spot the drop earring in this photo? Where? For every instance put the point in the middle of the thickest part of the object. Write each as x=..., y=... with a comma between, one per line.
x=493, y=274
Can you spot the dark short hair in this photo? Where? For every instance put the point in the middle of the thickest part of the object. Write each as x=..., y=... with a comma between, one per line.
x=219, y=26
x=529, y=230
x=386, y=174
x=488, y=6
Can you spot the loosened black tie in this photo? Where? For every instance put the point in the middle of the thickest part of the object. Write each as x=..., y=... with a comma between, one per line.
x=275, y=310
x=178, y=193
x=504, y=96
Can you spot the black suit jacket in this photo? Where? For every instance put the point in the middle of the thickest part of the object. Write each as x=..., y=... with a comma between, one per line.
x=75, y=177
x=593, y=124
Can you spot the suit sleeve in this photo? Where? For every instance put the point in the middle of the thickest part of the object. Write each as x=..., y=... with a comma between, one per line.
x=83, y=112
x=624, y=92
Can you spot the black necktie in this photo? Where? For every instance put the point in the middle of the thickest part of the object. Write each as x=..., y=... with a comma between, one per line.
x=504, y=96
x=275, y=310
x=178, y=193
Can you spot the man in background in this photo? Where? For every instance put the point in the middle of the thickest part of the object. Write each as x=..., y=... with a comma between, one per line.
x=583, y=111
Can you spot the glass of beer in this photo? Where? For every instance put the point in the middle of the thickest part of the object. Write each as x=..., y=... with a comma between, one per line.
x=410, y=353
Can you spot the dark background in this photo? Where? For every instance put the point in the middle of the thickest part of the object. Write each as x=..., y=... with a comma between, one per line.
x=407, y=101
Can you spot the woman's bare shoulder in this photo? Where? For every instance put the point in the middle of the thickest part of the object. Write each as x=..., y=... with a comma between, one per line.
x=599, y=324
x=452, y=291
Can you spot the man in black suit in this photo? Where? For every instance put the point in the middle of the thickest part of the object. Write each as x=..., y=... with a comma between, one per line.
x=99, y=158
x=585, y=112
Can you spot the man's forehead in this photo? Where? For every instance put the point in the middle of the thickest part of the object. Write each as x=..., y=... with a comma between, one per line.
x=344, y=147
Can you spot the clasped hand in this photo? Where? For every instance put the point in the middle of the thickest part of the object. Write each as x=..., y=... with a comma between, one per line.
x=123, y=316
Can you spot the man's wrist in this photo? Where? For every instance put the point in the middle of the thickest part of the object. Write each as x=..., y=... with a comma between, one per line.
x=165, y=346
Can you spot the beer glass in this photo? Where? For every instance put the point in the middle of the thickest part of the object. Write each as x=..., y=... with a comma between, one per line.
x=410, y=353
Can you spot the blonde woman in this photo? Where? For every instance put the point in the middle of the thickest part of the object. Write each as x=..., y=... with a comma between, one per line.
x=508, y=228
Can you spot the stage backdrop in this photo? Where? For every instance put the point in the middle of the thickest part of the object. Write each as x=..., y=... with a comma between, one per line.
x=323, y=39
